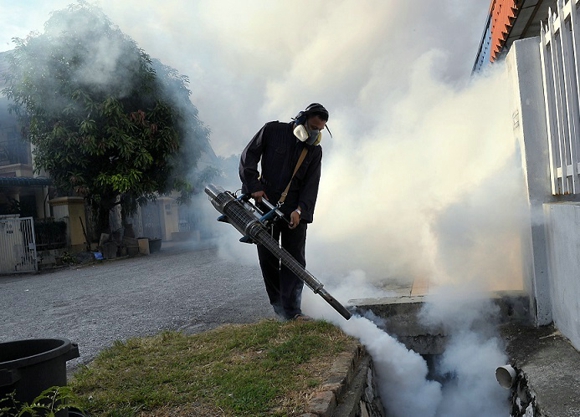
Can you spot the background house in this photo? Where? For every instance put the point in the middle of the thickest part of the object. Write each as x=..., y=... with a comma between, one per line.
x=26, y=194
x=20, y=189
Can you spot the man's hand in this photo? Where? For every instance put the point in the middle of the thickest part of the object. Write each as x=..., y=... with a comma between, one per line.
x=294, y=219
x=258, y=195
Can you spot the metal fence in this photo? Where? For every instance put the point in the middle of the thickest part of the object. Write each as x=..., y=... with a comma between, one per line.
x=559, y=50
x=50, y=234
x=17, y=245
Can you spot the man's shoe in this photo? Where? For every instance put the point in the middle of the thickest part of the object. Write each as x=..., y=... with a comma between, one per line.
x=302, y=317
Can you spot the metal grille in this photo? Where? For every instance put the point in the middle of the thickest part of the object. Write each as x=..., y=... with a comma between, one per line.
x=239, y=217
x=560, y=40
x=17, y=245
x=151, y=220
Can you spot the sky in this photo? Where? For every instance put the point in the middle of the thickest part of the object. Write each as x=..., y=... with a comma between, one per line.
x=419, y=177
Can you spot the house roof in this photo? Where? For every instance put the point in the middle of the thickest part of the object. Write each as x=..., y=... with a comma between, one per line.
x=25, y=181
x=503, y=15
x=527, y=23
x=508, y=21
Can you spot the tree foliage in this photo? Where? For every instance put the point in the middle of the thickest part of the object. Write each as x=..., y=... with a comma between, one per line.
x=104, y=118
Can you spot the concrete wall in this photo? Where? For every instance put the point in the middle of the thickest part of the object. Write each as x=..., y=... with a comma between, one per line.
x=72, y=210
x=529, y=128
x=552, y=261
x=563, y=236
x=169, y=217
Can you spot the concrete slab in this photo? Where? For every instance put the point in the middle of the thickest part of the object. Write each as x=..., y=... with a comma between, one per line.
x=396, y=288
x=551, y=366
x=420, y=286
x=401, y=318
x=400, y=315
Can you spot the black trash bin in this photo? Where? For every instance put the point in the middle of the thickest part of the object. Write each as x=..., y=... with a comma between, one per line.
x=31, y=366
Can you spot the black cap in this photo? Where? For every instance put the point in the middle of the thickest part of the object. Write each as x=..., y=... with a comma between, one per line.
x=317, y=109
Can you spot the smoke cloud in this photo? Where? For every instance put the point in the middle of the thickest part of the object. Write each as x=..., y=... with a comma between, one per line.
x=434, y=190
x=474, y=350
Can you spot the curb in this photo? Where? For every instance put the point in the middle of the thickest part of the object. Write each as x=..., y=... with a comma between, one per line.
x=350, y=389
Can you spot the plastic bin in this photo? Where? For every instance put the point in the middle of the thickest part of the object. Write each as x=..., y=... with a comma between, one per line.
x=154, y=245
x=31, y=366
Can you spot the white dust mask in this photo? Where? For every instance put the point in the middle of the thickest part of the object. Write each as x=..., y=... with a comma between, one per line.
x=312, y=138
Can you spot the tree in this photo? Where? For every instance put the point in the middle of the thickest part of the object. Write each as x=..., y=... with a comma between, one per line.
x=106, y=121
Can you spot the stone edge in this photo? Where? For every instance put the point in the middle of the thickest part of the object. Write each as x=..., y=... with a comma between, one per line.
x=349, y=390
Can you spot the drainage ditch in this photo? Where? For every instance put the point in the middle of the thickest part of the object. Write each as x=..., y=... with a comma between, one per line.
x=400, y=317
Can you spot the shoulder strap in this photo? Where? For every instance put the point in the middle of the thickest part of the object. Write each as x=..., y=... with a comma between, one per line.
x=300, y=160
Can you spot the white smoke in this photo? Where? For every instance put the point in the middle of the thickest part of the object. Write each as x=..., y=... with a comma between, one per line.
x=474, y=350
x=402, y=374
x=437, y=184
x=471, y=360
x=460, y=233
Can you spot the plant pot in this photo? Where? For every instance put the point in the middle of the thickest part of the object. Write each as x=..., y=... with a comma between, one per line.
x=31, y=366
x=154, y=245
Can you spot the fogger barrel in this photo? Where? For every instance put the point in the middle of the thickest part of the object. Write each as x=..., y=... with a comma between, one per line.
x=248, y=225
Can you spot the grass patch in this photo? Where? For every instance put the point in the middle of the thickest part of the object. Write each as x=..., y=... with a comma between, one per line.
x=264, y=369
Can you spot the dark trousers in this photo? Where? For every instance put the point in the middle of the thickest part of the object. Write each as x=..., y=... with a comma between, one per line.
x=284, y=288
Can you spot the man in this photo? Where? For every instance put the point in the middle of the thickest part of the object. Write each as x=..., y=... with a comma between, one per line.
x=282, y=149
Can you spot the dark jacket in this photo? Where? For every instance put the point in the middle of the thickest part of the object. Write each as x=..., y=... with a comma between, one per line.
x=278, y=150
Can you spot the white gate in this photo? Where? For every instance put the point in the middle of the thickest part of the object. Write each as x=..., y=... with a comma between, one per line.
x=17, y=245
x=560, y=53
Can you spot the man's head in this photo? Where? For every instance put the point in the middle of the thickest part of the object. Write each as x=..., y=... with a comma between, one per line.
x=316, y=116
x=317, y=109
x=310, y=122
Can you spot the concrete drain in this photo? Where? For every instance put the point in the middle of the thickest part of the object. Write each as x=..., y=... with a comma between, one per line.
x=399, y=317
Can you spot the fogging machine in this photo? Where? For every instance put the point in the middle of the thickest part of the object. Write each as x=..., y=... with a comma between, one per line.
x=253, y=222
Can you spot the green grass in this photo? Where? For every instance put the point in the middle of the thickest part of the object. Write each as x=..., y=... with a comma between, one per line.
x=264, y=369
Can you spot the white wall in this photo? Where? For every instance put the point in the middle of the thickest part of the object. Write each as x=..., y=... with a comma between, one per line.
x=553, y=232
x=563, y=236
x=529, y=128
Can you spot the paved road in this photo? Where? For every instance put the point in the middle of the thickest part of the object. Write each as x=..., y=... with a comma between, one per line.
x=179, y=287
